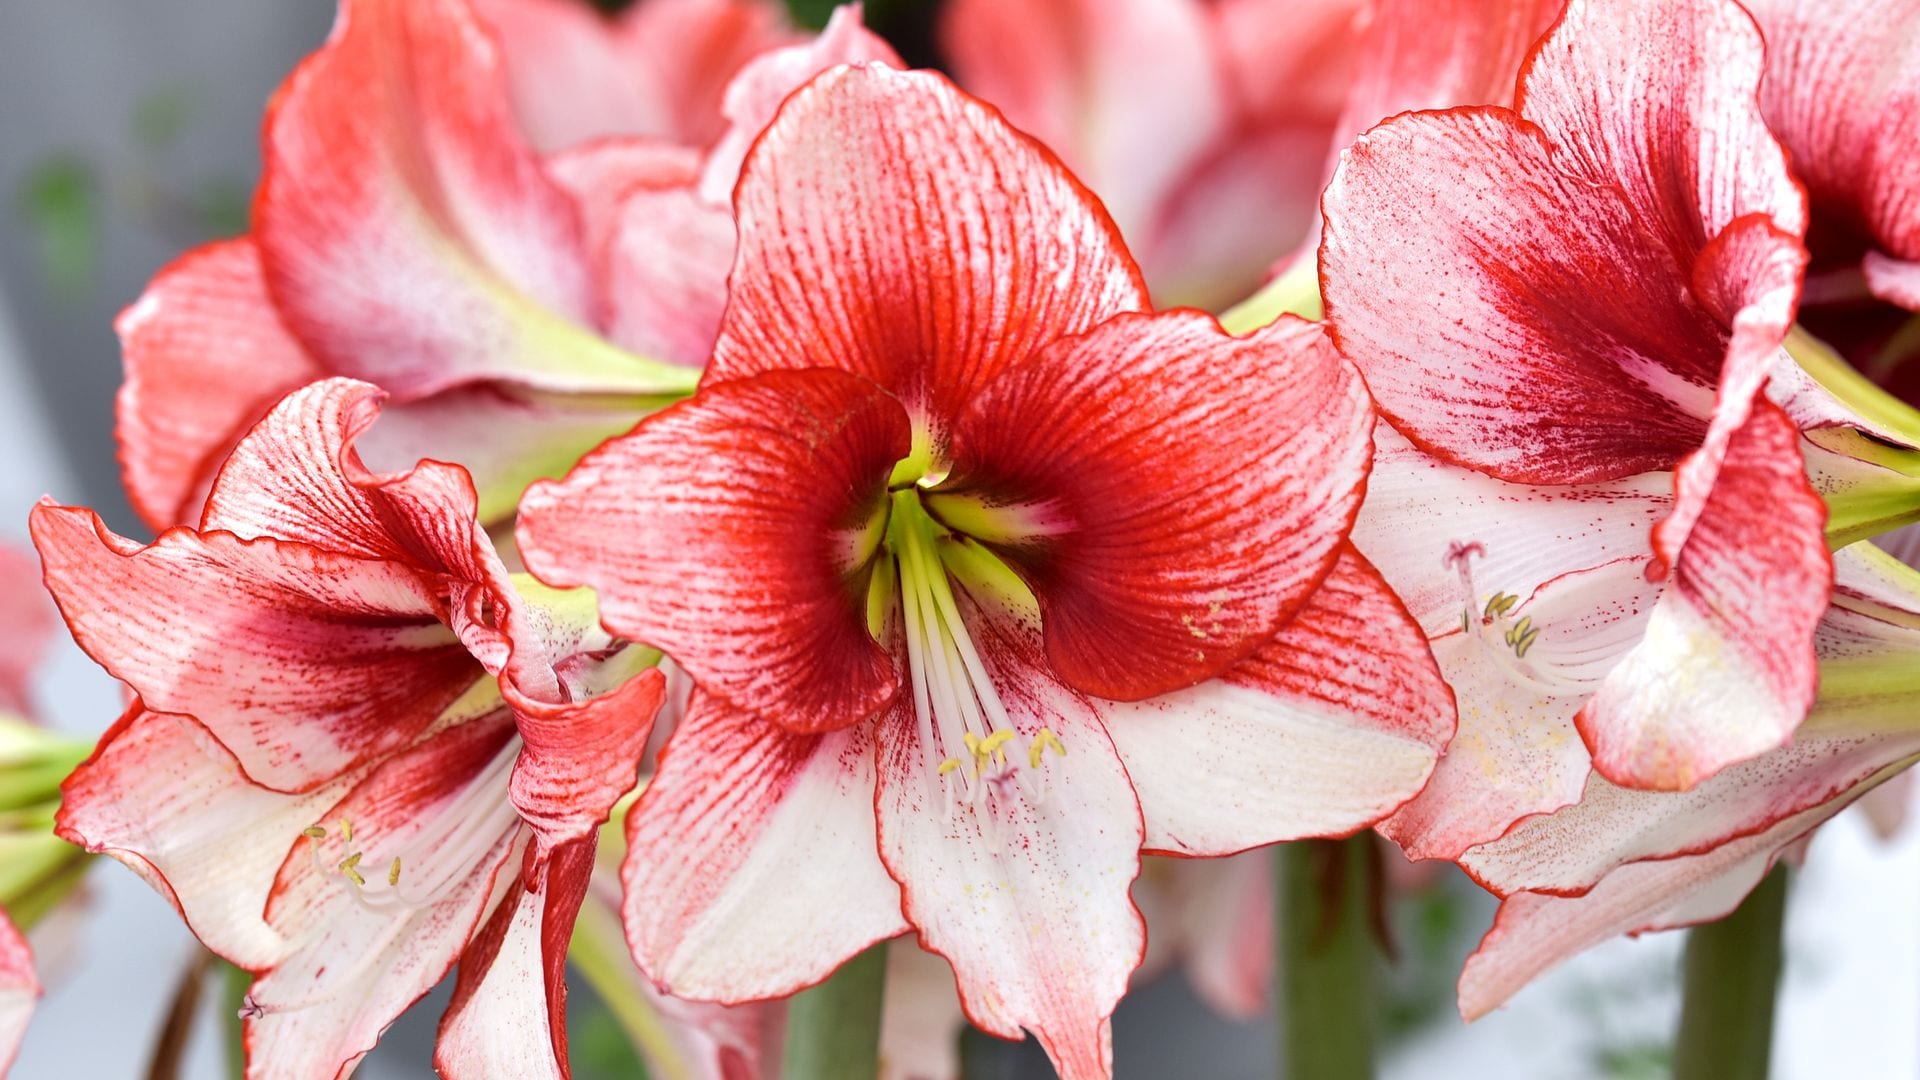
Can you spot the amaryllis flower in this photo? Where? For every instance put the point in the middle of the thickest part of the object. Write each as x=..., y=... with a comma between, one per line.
x=1567, y=313
x=1606, y=527
x=30, y=623
x=1208, y=126
x=359, y=752
x=1842, y=93
x=986, y=580
x=404, y=233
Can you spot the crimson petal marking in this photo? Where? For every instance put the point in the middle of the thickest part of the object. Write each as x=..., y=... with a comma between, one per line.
x=1160, y=558
x=1554, y=345
x=511, y=995
x=751, y=870
x=206, y=355
x=1843, y=93
x=1726, y=669
x=19, y=989
x=162, y=797
x=1661, y=100
x=1325, y=729
x=356, y=963
x=407, y=235
x=302, y=662
x=896, y=228
x=1027, y=897
x=1131, y=94
x=725, y=531
x=755, y=94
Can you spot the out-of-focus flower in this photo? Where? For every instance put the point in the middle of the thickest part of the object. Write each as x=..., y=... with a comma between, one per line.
x=405, y=233
x=360, y=752
x=29, y=620
x=658, y=70
x=938, y=501
x=1842, y=93
x=1208, y=126
x=19, y=989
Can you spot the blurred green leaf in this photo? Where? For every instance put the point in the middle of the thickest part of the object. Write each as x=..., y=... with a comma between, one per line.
x=1637, y=1061
x=60, y=201
x=597, y=1046
x=161, y=117
x=222, y=208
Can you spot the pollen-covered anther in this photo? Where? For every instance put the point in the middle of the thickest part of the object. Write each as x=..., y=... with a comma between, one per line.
x=350, y=869
x=1044, y=740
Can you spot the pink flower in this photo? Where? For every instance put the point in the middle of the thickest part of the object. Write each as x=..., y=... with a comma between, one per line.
x=19, y=989
x=974, y=611
x=360, y=751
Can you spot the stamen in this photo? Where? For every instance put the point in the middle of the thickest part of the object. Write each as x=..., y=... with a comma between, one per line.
x=314, y=831
x=349, y=867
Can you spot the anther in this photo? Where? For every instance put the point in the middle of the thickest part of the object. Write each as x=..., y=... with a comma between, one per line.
x=393, y=872
x=314, y=831
x=349, y=867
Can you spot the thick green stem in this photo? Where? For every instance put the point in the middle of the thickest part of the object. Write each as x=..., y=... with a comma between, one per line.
x=234, y=984
x=1732, y=975
x=1324, y=958
x=833, y=1030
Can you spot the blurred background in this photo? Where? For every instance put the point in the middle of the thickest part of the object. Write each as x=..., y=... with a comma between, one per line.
x=129, y=133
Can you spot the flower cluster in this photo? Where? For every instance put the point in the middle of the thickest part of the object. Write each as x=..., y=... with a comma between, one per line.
x=587, y=376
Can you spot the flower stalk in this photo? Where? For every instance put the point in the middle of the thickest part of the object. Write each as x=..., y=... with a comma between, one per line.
x=1324, y=957
x=1732, y=976
x=833, y=1029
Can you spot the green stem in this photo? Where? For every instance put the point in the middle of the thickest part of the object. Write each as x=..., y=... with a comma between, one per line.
x=833, y=1030
x=234, y=984
x=1324, y=958
x=1732, y=976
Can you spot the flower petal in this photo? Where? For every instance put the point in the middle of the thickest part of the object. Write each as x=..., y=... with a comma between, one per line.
x=511, y=996
x=1533, y=932
x=666, y=270
x=1726, y=668
x=161, y=796
x=1325, y=729
x=29, y=618
x=893, y=227
x=580, y=757
x=1131, y=94
x=1842, y=92
x=1555, y=345
x=1025, y=895
x=1661, y=100
x=1160, y=558
x=19, y=989
x=920, y=1018
x=751, y=869
x=407, y=235
x=656, y=71
x=755, y=94
x=1437, y=54
x=363, y=953
x=206, y=355
x=1224, y=910
x=302, y=662
x=726, y=531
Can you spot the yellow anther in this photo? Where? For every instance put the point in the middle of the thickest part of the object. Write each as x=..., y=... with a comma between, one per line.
x=1466, y=622
x=346, y=830
x=1501, y=603
x=349, y=867
x=1044, y=740
x=1526, y=641
x=314, y=831
x=949, y=765
x=393, y=872
x=972, y=741
x=992, y=744
x=1519, y=630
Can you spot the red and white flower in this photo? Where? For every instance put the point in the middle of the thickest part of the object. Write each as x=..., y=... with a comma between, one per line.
x=19, y=990
x=360, y=752
x=987, y=581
